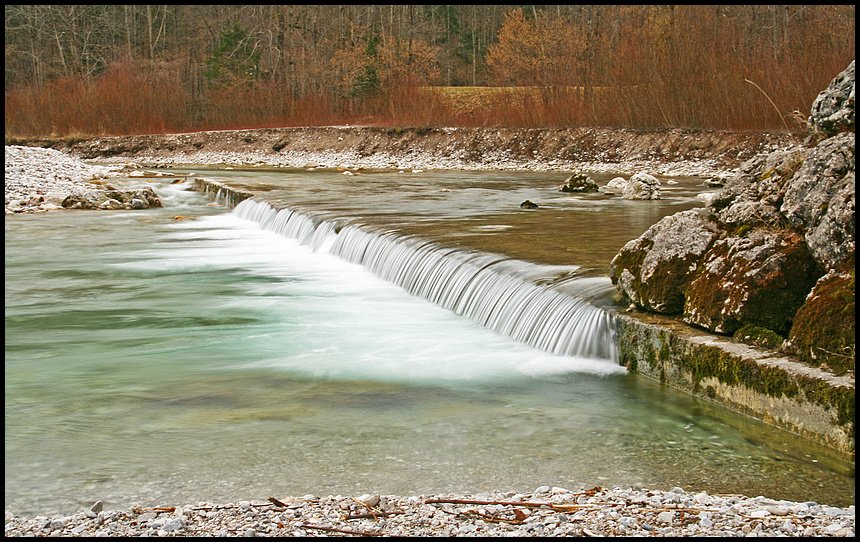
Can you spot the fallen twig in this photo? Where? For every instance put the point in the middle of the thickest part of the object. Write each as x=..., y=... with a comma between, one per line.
x=373, y=514
x=276, y=502
x=503, y=503
x=336, y=530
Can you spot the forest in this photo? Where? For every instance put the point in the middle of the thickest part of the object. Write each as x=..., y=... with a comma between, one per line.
x=76, y=70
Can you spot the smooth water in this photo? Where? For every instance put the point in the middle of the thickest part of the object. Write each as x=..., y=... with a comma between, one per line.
x=165, y=361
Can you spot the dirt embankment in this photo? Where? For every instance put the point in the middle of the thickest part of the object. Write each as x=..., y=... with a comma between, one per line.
x=444, y=148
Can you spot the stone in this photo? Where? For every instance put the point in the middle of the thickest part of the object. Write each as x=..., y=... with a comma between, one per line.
x=641, y=186
x=527, y=204
x=173, y=525
x=579, y=182
x=761, y=279
x=833, y=109
x=666, y=517
x=369, y=500
x=819, y=199
x=654, y=270
x=97, y=507
x=616, y=184
x=823, y=330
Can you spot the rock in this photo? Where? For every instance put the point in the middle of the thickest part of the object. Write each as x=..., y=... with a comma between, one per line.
x=666, y=517
x=142, y=198
x=528, y=205
x=833, y=109
x=654, y=270
x=617, y=183
x=579, y=182
x=97, y=507
x=614, y=186
x=759, y=279
x=819, y=199
x=717, y=181
x=369, y=500
x=173, y=525
x=823, y=330
x=641, y=186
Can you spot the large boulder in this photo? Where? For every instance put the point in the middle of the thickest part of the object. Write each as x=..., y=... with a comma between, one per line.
x=753, y=255
x=823, y=330
x=759, y=279
x=641, y=186
x=655, y=269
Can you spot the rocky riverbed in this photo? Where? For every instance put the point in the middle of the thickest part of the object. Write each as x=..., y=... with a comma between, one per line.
x=548, y=511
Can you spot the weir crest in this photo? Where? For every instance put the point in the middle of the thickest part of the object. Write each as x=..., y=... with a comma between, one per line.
x=492, y=290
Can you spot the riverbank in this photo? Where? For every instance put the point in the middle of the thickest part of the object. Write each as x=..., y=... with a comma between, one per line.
x=662, y=152
x=544, y=512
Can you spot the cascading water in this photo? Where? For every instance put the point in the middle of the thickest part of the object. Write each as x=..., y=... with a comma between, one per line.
x=483, y=287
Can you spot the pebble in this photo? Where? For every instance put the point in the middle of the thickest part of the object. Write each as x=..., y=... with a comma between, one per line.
x=548, y=511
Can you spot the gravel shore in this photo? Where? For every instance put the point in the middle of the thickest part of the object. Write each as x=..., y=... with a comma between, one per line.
x=545, y=512
x=36, y=180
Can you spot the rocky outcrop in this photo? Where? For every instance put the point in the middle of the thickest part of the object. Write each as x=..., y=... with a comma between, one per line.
x=833, y=110
x=754, y=255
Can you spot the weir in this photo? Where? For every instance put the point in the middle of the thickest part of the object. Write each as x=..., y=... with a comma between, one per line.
x=562, y=315
x=492, y=290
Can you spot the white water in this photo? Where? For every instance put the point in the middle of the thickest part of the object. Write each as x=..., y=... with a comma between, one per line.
x=482, y=287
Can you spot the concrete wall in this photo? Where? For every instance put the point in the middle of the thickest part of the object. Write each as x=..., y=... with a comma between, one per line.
x=760, y=383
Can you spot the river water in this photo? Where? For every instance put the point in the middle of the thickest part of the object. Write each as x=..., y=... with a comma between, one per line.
x=164, y=361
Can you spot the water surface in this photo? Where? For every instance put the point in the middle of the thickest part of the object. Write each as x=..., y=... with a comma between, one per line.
x=165, y=361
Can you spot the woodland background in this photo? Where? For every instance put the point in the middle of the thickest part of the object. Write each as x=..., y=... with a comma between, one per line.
x=110, y=70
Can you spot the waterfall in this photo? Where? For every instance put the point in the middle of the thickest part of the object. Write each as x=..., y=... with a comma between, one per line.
x=487, y=288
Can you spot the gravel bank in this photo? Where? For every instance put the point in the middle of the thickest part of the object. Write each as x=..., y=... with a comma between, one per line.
x=546, y=512
x=38, y=180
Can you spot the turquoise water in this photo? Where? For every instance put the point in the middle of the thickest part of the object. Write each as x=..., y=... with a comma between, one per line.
x=160, y=361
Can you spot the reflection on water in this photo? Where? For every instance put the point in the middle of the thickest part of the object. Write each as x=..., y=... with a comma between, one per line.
x=165, y=361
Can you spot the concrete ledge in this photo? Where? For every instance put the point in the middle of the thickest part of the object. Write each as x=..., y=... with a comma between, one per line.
x=221, y=193
x=766, y=385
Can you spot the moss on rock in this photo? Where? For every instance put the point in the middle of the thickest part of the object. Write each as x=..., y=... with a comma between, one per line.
x=823, y=330
x=759, y=336
x=761, y=279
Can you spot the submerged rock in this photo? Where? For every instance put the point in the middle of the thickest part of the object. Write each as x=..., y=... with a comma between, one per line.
x=527, y=204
